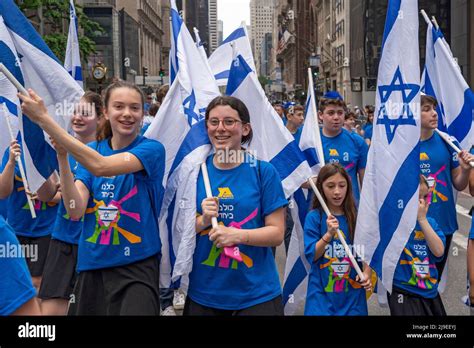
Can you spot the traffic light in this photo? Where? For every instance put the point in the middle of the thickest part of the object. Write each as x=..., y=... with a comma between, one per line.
x=162, y=72
x=145, y=71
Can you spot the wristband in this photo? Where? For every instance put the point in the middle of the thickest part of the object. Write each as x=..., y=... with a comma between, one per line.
x=324, y=240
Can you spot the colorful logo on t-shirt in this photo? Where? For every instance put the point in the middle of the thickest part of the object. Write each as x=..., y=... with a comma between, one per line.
x=424, y=156
x=339, y=267
x=333, y=152
x=420, y=276
x=225, y=193
x=433, y=182
x=108, y=218
x=38, y=205
x=224, y=260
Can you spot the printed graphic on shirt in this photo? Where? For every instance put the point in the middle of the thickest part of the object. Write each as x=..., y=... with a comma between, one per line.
x=108, y=218
x=339, y=266
x=38, y=205
x=215, y=253
x=419, y=263
x=225, y=193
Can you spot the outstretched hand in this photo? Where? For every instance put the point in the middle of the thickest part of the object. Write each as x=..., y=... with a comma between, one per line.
x=33, y=106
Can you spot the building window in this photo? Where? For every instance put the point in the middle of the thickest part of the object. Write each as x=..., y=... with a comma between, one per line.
x=339, y=5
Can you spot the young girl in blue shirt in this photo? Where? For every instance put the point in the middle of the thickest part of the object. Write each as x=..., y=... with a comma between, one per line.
x=249, y=205
x=118, y=190
x=334, y=288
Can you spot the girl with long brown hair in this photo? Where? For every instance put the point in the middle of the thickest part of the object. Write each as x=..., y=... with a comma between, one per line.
x=333, y=286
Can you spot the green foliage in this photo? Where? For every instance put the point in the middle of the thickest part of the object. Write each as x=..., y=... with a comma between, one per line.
x=263, y=81
x=55, y=14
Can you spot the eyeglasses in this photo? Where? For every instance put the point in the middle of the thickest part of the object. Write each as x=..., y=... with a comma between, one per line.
x=228, y=123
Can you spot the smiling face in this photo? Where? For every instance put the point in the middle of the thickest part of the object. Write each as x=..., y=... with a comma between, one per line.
x=124, y=110
x=335, y=190
x=84, y=119
x=222, y=134
x=333, y=119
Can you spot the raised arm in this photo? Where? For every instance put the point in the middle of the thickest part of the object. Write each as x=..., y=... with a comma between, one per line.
x=98, y=165
x=8, y=175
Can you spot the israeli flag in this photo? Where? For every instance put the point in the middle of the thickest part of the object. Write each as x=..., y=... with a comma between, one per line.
x=72, y=62
x=33, y=64
x=272, y=142
x=180, y=127
x=389, y=200
x=297, y=267
x=443, y=80
x=221, y=60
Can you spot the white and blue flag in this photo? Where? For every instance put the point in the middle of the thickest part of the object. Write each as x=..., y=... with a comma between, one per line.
x=443, y=80
x=33, y=64
x=221, y=60
x=297, y=267
x=72, y=63
x=272, y=142
x=389, y=199
x=180, y=127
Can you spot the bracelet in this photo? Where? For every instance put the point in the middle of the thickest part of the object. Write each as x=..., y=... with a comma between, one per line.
x=324, y=240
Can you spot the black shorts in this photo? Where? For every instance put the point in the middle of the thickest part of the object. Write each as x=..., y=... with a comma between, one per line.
x=403, y=303
x=123, y=290
x=270, y=308
x=59, y=275
x=36, y=250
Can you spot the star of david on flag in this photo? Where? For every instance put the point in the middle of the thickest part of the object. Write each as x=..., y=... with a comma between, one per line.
x=385, y=111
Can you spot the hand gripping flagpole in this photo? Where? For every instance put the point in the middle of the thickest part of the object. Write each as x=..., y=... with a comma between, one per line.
x=339, y=233
x=233, y=252
x=20, y=165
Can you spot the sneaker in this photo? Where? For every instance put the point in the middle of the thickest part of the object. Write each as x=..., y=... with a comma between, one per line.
x=168, y=312
x=178, y=300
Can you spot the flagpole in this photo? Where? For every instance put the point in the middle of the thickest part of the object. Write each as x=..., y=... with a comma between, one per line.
x=20, y=165
x=315, y=112
x=13, y=80
x=425, y=16
x=339, y=233
x=450, y=143
x=232, y=251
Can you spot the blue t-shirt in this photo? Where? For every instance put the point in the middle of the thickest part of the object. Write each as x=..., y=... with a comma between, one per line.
x=332, y=288
x=247, y=194
x=65, y=229
x=19, y=215
x=368, y=129
x=437, y=160
x=16, y=287
x=350, y=150
x=3, y=208
x=297, y=135
x=121, y=220
x=416, y=270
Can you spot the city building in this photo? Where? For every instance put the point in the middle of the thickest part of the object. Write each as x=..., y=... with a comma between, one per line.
x=213, y=29
x=195, y=14
x=220, y=32
x=261, y=21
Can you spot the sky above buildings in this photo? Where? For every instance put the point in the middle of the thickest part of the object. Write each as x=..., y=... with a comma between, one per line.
x=232, y=13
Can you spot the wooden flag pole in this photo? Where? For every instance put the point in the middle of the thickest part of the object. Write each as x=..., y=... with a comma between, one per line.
x=232, y=251
x=339, y=233
x=20, y=165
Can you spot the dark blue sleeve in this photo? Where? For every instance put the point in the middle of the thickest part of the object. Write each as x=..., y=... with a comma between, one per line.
x=312, y=234
x=273, y=196
x=440, y=234
x=363, y=151
x=454, y=161
x=151, y=154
